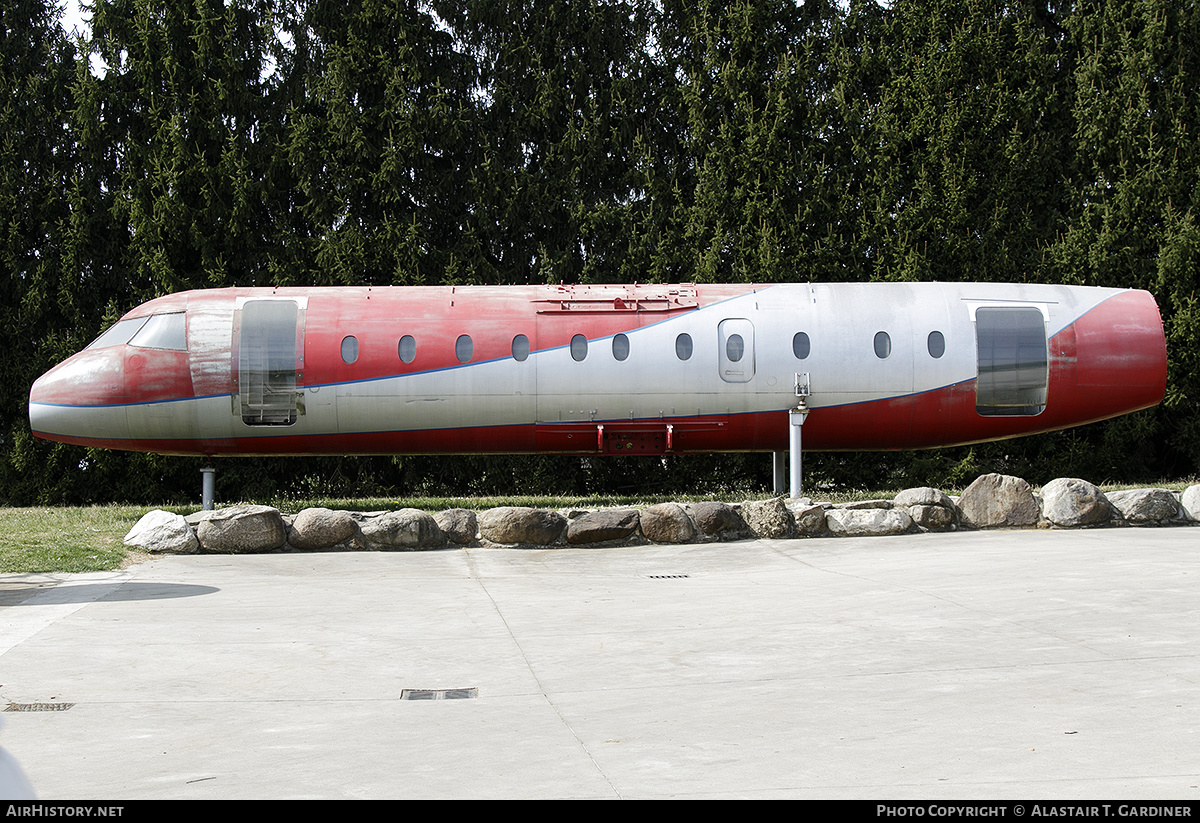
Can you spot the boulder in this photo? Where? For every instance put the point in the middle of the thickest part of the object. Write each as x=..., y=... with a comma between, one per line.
x=517, y=524
x=809, y=517
x=930, y=508
x=403, y=529
x=1071, y=503
x=667, y=523
x=715, y=519
x=1190, y=502
x=932, y=518
x=923, y=496
x=768, y=518
x=459, y=525
x=160, y=531
x=241, y=530
x=606, y=524
x=1145, y=505
x=998, y=501
x=317, y=528
x=867, y=522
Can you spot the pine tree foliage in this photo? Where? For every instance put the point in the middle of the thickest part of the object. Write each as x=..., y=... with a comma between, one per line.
x=253, y=142
x=967, y=143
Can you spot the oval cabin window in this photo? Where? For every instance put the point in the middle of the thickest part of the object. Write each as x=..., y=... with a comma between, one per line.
x=683, y=346
x=883, y=345
x=349, y=349
x=579, y=348
x=520, y=348
x=620, y=347
x=937, y=344
x=735, y=348
x=464, y=348
x=801, y=347
x=407, y=349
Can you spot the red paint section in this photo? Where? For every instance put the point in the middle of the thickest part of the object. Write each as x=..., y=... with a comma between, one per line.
x=93, y=377
x=115, y=375
x=491, y=316
x=153, y=374
x=1121, y=344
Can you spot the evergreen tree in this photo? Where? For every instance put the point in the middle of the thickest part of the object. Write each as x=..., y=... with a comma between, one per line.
x=1136, y=166
x=37, y=297
x=966, y=147
x=747, y=195
x=177, y=112
x=560, y=96
x=375, y=138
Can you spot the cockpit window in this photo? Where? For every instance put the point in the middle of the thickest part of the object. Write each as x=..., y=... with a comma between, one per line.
x=118, y=333
x=162, y=331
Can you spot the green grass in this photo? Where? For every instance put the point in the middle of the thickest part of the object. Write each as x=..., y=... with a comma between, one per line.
x=65, y=539
x=89, y=538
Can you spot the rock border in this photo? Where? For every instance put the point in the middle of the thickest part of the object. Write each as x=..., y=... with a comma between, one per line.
x=992, y=501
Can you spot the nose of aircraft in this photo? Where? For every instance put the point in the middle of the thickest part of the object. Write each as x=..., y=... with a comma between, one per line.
x=80, y=397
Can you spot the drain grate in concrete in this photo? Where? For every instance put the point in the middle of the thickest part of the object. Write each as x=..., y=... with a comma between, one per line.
x=38, y=707
x=439, y=694
x=668, y=576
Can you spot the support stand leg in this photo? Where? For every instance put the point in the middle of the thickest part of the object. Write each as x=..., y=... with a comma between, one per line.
x=207, y=475
x=796, y=418
x=794, y=474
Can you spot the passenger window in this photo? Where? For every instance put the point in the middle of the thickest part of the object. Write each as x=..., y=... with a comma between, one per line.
x=683, y=346
x=735, y=347
x=349, y=349
x=407, y=349
x=883, y=345
x=464, y=348
x=801, y=347
x=937, y=344
x=620, y=347
x=579, y=346
x=520, y=348
x=1013, y=361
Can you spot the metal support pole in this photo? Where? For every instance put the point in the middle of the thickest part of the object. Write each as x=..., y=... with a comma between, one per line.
x=796, y=419
x=207, y=475
x=778, y=461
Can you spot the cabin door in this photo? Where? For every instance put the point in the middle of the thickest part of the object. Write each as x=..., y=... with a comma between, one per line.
x=1013, y=361
x=268, y=346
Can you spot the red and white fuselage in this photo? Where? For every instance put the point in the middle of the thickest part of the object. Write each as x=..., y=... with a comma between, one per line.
x=642, y=369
